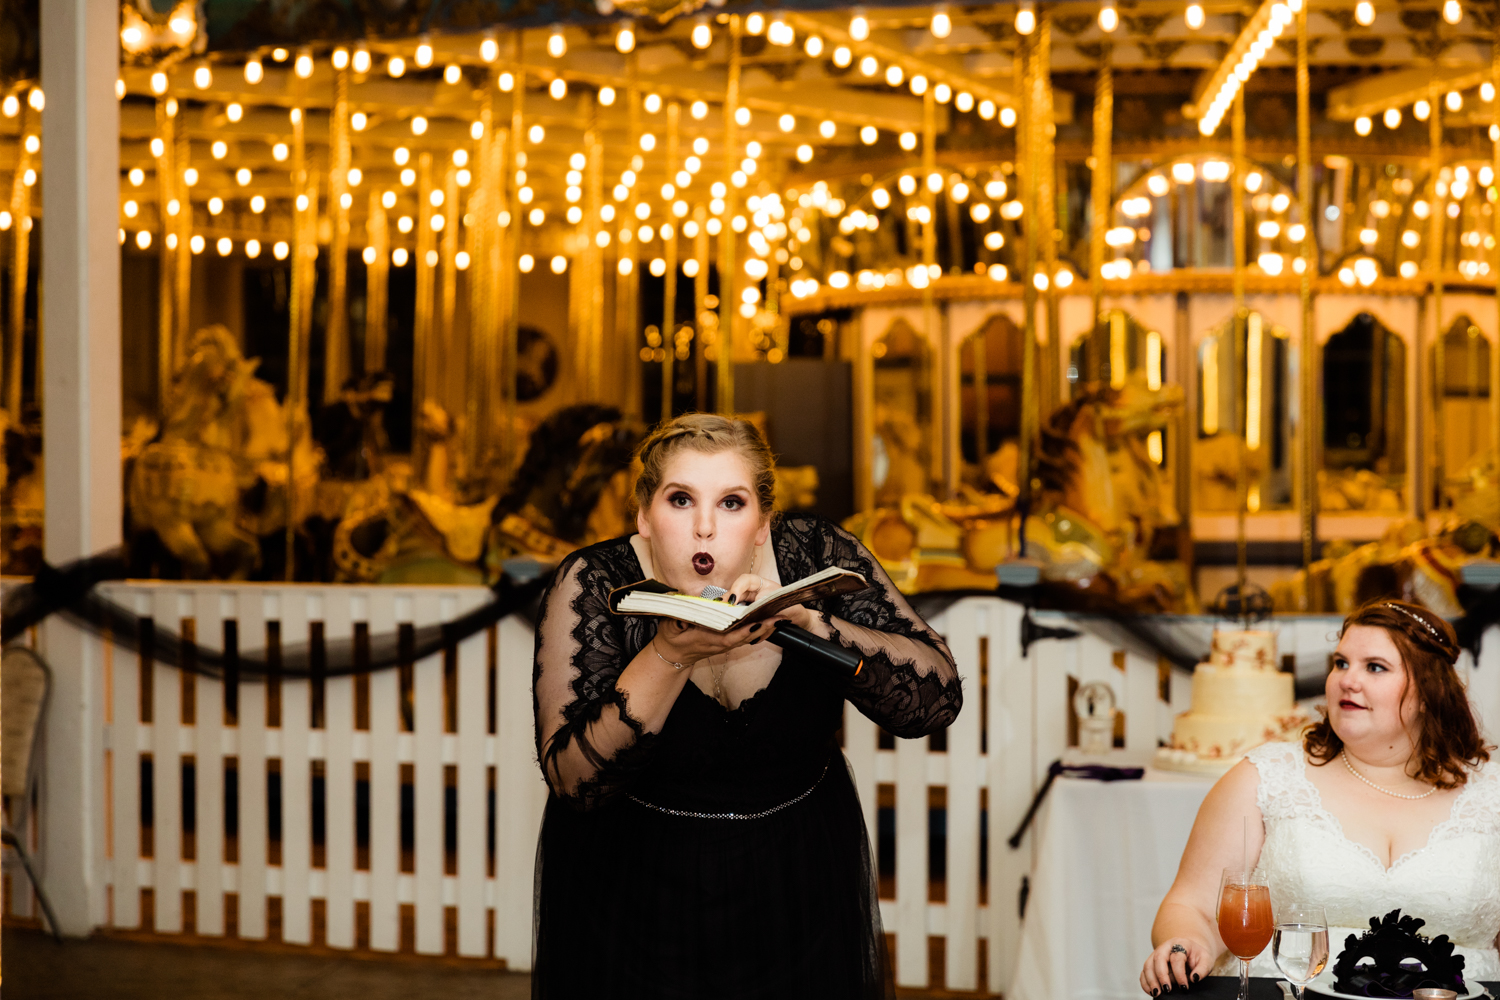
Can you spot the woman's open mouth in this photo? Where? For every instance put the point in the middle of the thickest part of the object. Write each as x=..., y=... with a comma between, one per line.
x=1347, y=704
x=703, y=563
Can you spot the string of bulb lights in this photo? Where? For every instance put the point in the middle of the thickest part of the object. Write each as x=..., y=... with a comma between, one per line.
x=854, y=47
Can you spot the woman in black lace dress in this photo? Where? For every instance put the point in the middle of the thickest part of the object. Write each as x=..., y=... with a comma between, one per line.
x=703, y=838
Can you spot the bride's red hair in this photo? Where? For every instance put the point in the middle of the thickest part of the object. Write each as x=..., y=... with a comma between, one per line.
x=1448, y=743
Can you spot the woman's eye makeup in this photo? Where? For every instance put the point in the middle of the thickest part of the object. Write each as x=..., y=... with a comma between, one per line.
x=679, y=499
x=734, y=502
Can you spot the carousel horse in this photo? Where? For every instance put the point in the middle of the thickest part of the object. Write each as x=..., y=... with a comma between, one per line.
x=572, y=488
x=1103, y=497
x=1101, y=501
x=1405, y=564
x=215, y=477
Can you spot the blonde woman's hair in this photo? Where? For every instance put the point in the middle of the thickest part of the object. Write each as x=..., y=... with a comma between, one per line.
x=708, y=433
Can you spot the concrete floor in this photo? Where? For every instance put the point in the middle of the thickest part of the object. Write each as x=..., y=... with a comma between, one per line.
x=38, y=968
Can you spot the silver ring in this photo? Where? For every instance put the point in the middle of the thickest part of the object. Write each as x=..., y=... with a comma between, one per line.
x=1178, y=949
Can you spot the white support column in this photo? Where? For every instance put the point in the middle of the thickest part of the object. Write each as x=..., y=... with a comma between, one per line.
x=81, y=421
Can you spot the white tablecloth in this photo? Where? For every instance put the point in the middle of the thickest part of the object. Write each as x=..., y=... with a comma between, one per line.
x=1107, y=853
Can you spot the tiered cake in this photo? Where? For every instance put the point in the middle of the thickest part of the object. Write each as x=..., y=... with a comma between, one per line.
x=1240, y=700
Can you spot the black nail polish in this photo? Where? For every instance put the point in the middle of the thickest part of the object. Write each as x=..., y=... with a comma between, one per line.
x=731, y=599
x=755, y=626
x=1196, y=977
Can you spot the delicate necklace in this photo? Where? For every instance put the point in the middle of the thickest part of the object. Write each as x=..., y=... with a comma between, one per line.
x=1345, y=754
x=716, y=672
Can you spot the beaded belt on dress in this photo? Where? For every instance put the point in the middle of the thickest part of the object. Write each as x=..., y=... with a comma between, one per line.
x=731, y=815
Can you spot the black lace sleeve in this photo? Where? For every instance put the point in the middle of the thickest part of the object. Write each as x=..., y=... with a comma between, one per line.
x=909, y=685
x=587, y=742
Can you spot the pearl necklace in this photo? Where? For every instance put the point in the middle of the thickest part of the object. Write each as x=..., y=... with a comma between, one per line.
x=1345, y=754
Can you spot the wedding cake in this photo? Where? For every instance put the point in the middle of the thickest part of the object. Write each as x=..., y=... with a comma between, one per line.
x=1241, y=699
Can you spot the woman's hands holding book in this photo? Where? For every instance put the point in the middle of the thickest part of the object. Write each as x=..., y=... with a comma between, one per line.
x=681, y=642
x=747, y=588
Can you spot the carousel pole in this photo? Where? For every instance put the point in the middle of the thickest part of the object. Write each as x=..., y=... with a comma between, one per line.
x=1435, y=237
x=182, y=306
x=298, y=302
x=1046, y=373
x=628, y=279
x=166, y=297
x=20, y=248
x=510, y=264
x=481, y=211
x=724, y=364
x=1309, y=403
x=592, y=253
x=1101, y=187
x=1495, y=257
x=1239, y=323
x=1030, y=424
x=377, y=283
x=445, y=335
x=701, y=314
x=424, y=359
x=336, y=334
x=945, y=472
x=669, y=298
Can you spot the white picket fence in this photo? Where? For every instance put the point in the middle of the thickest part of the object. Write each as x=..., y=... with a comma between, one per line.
x=469, y=744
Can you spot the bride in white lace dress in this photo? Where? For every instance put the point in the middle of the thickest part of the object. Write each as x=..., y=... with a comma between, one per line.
x=1385, y=804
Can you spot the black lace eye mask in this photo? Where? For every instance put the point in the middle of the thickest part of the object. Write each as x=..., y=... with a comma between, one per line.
x=1391, y=960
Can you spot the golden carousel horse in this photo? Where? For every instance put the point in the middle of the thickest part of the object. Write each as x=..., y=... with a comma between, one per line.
x=215, y=477
x=1101, y=501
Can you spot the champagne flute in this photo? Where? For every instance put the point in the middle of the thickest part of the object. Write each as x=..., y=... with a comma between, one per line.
x=1300, y=944
x=1246, y=922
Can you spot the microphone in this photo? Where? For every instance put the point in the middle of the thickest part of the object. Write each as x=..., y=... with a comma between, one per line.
x=845, y=662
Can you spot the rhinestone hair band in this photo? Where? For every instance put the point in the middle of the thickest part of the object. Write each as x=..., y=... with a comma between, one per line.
x=1418, y=619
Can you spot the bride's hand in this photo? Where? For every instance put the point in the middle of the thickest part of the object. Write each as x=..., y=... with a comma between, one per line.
x=1176, y=964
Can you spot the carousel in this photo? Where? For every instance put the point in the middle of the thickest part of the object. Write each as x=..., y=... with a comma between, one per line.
x=1083, y=311
x=1159, y=298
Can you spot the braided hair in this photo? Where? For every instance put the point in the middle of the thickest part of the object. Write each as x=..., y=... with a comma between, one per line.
x=1448, y=742
x=708, y=433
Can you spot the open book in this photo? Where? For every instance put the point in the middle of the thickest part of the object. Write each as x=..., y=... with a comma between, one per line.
x=650, y=597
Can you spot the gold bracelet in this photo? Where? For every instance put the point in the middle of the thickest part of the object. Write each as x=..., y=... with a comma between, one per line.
x=675, y=665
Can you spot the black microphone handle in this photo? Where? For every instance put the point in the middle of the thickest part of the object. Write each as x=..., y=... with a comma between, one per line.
x=846, y=662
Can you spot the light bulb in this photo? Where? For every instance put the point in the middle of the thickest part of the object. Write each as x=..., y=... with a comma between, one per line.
x=361, y=60
x=859, y=26
x=1454, y=101
x=1362, y=125
x=1392, y=117
x=755, y=24
x=423, y=56
x=813, y=46
x=303, y=67
x=1109, y=18
x=1025, y=17
x=396, y=67
x=941, y=25
x=1364, y=12
x=254, y=72
x=558, y=88
x=557, y=43
x=703, y=35
x=625, y=38
x=1453, y=12
x=340, y=58
x=1194, y=16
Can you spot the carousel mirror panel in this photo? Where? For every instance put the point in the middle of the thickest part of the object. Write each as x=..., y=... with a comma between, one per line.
x=1463, y=403
x=989, y=372
x=1245, y=385
x=901, y=460
x=1364, y=419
